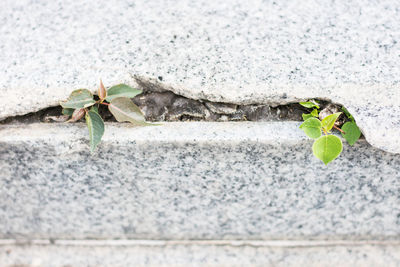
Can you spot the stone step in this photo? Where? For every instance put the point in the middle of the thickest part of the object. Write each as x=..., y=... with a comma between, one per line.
x=118, y=253
x=219, y=181
x=252, y=52
x=192, y=180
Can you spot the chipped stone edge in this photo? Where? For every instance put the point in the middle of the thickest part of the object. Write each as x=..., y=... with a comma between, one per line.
x=273, y=98
x=278, y=95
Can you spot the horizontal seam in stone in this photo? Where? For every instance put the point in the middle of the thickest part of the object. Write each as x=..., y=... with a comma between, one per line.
x=234, y=243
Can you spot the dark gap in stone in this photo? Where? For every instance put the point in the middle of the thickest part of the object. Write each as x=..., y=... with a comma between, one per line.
x=164, y=105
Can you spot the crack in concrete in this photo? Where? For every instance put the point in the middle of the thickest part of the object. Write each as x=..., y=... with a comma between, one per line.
x=159, y=103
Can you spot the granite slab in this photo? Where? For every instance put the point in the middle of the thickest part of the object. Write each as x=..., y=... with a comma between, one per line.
x=192, y=180
x=271, y=52
x=195, y=254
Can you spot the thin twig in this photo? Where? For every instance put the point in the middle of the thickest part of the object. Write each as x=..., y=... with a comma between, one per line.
x=340, y=130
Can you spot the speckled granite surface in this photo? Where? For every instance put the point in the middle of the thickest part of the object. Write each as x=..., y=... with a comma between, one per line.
x=199, y=255
x=227, y=51
x=192, y=180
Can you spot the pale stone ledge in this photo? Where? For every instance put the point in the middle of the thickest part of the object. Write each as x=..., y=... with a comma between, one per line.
x=192, y=181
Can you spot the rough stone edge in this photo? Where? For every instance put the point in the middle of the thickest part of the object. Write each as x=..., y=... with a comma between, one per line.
x=278, y=94
x=276, y=133
x=195, y=253
x=168, y=131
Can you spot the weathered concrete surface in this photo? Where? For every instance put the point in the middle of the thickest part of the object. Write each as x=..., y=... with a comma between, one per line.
x=192, y=253
x=227, y=51
x=192, y=181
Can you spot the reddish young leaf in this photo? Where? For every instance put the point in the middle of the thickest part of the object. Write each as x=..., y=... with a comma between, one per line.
x=77, y=115
x=102, y=92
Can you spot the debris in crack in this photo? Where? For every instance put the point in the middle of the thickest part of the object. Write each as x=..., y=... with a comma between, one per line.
x=221, y=108
x=331, y=109
x=158, y=104
x=167, y=106
x=51, y=114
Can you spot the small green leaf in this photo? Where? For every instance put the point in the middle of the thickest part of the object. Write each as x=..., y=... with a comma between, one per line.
x=121, y=90
x=94, y=109
x=347, y=113
x=312, y=128
x=67, y=111
x=80, y=98
x=96, y=128
x=329, y=121
x=124, y=109
x=352, y=132
x=314, y=113
x=306, y=116
x=327, y=148
x=309, y=104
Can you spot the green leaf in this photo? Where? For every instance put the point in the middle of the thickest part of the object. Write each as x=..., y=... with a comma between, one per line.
x=347, y=113
x=306, y=116
x=67, y=111
x=327, y=148
x=96, y=128
x=329, y=121
x=312, y=128
x=124, y=109
x=80, y=98
x=309, y=104
x=94, y=109
x=314, y=113
x=121, y=90
x=352, y=132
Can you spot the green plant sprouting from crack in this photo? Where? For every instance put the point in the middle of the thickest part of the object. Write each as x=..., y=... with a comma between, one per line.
x=328, y=147
x=117, y=98
x=81, y=103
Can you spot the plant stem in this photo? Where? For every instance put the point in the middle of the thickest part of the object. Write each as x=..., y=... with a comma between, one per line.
x=103, y=103
x=340, y=130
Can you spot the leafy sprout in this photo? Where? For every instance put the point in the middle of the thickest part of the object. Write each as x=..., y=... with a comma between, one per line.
x=81, y=103
x=328, y=147
x=310, y=104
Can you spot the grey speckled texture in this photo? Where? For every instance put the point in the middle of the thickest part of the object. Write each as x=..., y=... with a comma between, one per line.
x=192, y=181
x=199, y=255
x=227, y=51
